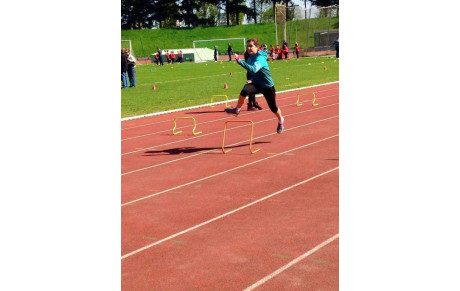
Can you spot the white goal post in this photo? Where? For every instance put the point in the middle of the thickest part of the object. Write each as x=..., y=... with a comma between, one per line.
x=127, y=45
x=203, y=50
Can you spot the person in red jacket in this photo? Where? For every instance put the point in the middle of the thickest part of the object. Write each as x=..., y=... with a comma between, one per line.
x=172, y=56
x=272, y=52
x=278, y=51
x=179, y=56
x=285, y=50
x=167, y=57
x=297, y=50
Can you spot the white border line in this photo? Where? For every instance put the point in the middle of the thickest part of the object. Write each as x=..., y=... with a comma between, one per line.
x=226, y=214
x=298, y=259
x=227, y=171
x=208, y=104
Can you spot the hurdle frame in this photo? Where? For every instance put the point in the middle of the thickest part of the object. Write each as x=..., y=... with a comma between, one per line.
x=304, y=94
x=186, y=117
x=250, y=139
x=226, y=100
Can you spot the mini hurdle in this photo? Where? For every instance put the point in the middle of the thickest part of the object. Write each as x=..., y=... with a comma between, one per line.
x=304, y=94
x=250, y=140
x=226, y=100
x=194, y=125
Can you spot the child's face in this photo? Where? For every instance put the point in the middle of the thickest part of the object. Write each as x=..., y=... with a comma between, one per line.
x=251, y=48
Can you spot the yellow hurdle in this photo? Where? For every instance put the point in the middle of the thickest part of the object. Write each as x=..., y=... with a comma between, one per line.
x=194, y=125
x=250, y=140
x=226, y=100
x=304, y=94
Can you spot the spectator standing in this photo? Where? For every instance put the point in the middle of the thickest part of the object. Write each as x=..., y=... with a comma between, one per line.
x=160, y=56
x=131, y=71
x=215, y=53
x=179, y=56
x=285, y=50
x=272, y=52
x=230, y=52
x=124, y=68
x=336, y=44
x=173, y=57
x=278, y=52
x=167, y=57
x=297, y=50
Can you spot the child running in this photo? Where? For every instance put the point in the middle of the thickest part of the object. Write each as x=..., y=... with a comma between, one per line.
x=262, y=81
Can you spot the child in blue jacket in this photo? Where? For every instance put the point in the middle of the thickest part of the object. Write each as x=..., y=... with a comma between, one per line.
x=262, y=81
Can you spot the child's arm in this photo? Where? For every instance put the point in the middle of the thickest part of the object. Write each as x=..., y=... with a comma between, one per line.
x=252, y=69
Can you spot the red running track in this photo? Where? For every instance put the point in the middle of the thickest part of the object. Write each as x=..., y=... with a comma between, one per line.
x=196, y=219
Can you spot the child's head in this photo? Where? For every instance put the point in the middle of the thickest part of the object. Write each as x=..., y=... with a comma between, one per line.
x=253, y=46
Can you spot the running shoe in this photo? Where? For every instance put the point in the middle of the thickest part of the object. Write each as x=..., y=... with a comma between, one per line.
x=280, y=128
x=233, y=111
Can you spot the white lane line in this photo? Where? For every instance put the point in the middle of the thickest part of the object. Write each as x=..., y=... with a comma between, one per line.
x=204, y=105
x=231, y=100
x=214, y=120
x=217, y=150
x=226, y=171
x=293, y=262
x=219, y=131
x=226, y=214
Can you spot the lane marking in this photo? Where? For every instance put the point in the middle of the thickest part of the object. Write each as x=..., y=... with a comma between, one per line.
x=288, y=97
x=211, y=121
x=219, y=131
x=293, y=262
x=224, y=172
x=204, y=105
x=226, y=214
x=216, y=150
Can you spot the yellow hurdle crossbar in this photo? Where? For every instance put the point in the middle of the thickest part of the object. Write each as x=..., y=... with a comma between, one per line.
x=304, y=94
x=250, y=140
x=226, y=100
x=194, y=125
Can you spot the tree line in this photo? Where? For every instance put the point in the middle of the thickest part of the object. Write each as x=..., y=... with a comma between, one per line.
x=139, y=14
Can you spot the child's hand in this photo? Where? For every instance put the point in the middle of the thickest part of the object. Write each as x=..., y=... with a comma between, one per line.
x=248, y=81
x=237, y=58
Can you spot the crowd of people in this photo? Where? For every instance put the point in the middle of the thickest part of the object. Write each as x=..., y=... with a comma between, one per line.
x=170, y=57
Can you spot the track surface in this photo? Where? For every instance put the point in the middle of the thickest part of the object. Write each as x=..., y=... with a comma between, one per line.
x=193, y=218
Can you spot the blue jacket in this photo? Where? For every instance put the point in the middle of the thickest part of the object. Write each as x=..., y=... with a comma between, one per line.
x=257, y=66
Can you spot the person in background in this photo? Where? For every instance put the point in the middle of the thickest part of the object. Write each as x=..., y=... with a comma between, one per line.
x=336, y=45
x=215, y=54
x=285, y=50
x=160, y=56
x=230, y=52
x=179, y=56
x=131, y=71
x=167, y=57
x=297, y=50
x=172, y=56
x=262, y=81
x=278, y=52
x=124, y=68
x=272, y=52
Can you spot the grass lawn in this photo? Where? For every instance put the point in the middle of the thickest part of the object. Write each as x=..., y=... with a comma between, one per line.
x=189, y=84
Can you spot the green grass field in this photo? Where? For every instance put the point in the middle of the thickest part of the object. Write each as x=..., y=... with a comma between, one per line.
x=145, y=41
x=189, y=84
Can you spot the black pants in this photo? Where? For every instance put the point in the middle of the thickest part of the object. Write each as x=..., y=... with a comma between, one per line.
x=269, y=94
x=337, y=52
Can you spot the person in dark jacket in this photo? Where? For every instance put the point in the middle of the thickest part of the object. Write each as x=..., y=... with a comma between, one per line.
x=124, y=68
x=336, y=45
x=215, y=53
x=230, y=52
x=160, y=56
